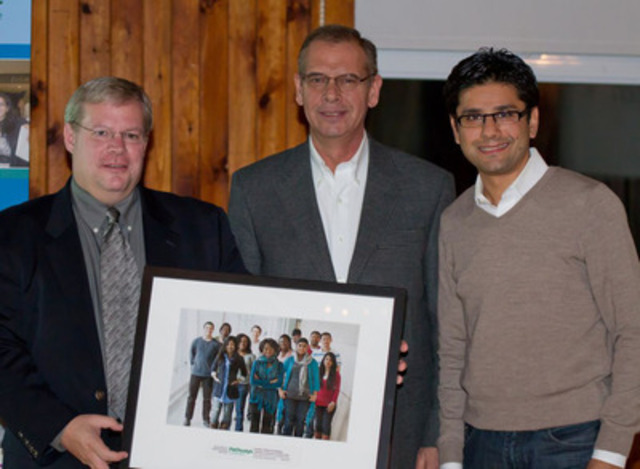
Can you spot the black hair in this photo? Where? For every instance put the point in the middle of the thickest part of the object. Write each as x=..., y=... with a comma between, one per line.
x=488, y=65
x=331, y=381
x=270, y=342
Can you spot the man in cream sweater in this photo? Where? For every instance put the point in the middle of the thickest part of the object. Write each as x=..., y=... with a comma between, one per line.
x=539, y=296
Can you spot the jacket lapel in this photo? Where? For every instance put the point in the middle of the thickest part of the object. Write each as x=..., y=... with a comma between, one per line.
x=298, y=198
x=377, y=207
x=161, y=243
x=65, y=257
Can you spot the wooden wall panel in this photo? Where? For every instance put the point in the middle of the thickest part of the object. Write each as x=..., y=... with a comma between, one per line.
x=38, y=172
x=298, y=26
x=214, y=105
x=271, y=68
x=185, y=88
x=157, y=83
x=219, y=74
x=242, y=91
x=127, y=39
x=95, y=39
x=62, y=72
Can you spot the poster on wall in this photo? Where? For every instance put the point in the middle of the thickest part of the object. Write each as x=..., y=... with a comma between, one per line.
x=15, y=58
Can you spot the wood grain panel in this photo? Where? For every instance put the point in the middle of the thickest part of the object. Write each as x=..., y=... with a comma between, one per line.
x=38, y=177
x=95, y=39
x=126, y=39
x=335, y=12
x=219, y=74
x=63, y=72
x=214, y=102
x=298, y=26
x=242, y=83
x=157, y=82
x=271, y=68
x=185, y=90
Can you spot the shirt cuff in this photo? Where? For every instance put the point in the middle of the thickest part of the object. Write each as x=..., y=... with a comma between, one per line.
x=609, y=457
x=451, y=465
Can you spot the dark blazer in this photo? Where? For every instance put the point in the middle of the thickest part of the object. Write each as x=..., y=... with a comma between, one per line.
x=50, y=359
x=278, y=227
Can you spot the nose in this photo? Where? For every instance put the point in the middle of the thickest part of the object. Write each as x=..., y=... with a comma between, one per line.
x=489, y=126
x=331, y=91
x=116, y=143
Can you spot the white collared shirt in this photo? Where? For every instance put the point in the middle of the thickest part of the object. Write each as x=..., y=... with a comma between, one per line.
x=340, y=196
x=528, y=177
x=532, y=173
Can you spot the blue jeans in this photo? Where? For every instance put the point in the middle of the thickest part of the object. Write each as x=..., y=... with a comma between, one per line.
x=227, y=410
x=241, y=401
x=294, y=415
x=569, y=447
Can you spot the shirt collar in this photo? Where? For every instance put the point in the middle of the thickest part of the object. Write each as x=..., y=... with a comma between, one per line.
x=528, y=177
x=355, y=168
x=93, y=212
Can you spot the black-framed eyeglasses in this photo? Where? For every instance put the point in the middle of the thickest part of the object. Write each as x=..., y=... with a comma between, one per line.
x=104, y=134
x=346, y=82
x=499, y=118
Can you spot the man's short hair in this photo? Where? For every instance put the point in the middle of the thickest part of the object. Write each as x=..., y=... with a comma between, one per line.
x=327, y=334
x=296, y=331
x=315, y=333
x=208, y=323
x=488, y=65
x=225, y=324
x=303, y=340
x=112, y=90
x=255, y=326
x=336, y=34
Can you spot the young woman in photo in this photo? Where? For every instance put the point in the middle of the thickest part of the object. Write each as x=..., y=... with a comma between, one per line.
x=327, y=396
x=244, y=379
x=266, y=378
x=225, y=371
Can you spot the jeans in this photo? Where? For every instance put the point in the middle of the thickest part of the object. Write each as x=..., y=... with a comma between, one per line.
x=569, y=447
x=295, y=414
x=207, y=388
x=243, y=392
x=227, y=410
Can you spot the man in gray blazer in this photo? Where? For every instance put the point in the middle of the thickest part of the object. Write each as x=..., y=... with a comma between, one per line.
x=342, y=207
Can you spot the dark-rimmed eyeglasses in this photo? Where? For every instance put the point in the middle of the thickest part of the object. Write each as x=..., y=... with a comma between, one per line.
x=499, y=118
x=104, y=134
x=346, y=82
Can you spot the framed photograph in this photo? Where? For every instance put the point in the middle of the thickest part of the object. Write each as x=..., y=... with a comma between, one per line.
x=329, y=397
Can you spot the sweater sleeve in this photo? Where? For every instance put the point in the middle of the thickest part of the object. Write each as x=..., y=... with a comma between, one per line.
x=452, y=351
x=614, y=277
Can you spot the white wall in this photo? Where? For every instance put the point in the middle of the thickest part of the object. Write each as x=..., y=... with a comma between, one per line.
x=578, y=41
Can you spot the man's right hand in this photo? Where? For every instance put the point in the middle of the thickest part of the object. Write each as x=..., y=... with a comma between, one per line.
x=81, y=437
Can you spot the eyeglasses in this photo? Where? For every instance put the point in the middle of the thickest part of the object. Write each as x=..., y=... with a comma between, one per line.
x=346, y=82
x=104, y=135
x=499, y=118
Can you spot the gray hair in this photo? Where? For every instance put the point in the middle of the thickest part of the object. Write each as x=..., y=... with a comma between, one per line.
x=108, y=89
x=336, y=34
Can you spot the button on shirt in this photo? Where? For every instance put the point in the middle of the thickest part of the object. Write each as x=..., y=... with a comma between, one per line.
x=529, y=177
x=340, y=197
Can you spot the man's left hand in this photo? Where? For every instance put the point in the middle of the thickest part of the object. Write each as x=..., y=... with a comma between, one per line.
x=597, y=464
x=427, y=458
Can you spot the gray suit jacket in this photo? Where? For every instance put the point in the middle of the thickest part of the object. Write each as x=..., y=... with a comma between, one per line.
x=276, y=221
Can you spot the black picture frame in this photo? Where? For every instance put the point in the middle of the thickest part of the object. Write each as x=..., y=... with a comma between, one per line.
x=369, y=318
